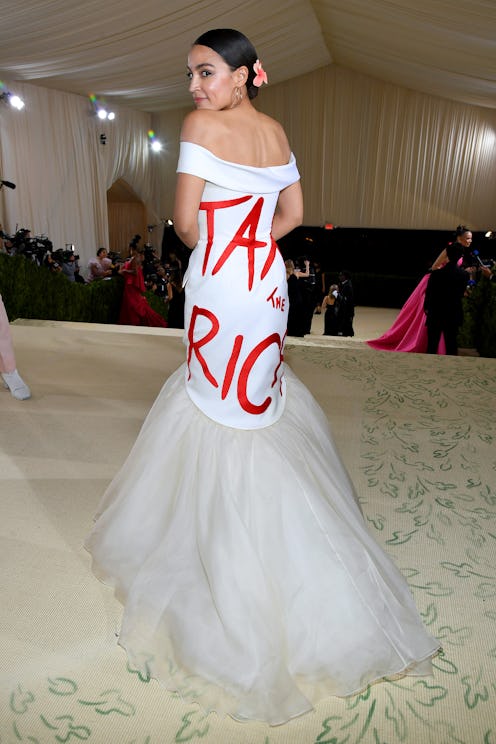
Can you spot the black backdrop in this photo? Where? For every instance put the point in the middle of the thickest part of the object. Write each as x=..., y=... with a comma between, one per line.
x=375, y=250
x=385, y=263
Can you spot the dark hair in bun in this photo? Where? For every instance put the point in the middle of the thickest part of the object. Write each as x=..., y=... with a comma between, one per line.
x=235, y=49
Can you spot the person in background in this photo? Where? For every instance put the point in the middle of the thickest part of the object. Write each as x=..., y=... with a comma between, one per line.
x=135, y=309
x=330, y=306
x=296, y=314
x=175, y=264
x=100, y=267
x=308, y=291
x=488, y=272
x=409, y=332
x=320, y=288
x=443, y=302
x=70, y=268
x=346, y=307
x=175, y=316
x=8, y=369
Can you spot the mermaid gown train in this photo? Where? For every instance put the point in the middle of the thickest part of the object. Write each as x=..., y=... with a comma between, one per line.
x=232, y=534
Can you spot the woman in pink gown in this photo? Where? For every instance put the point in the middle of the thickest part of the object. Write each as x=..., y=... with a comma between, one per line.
x=409, y=331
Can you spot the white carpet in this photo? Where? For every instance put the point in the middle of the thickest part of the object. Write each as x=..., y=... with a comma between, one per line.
x=418, y=436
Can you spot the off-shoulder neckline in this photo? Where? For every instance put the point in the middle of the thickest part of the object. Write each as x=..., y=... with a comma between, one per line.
x=241, y=165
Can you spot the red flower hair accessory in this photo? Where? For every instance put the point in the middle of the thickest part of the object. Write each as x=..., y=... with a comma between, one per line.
x=260, y=74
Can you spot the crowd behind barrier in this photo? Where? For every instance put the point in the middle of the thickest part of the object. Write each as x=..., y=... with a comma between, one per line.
x=34, y=262
x=34, y=285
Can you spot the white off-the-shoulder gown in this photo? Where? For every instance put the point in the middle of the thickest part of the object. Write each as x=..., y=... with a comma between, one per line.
x=232, y=534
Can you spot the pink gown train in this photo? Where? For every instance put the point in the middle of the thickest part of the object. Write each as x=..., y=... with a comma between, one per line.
x=409, y=331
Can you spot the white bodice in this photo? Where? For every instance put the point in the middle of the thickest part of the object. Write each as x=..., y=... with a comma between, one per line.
x=236, y=292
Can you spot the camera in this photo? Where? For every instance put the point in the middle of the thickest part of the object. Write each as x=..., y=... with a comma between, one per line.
x=22, y=243
x=117, y=262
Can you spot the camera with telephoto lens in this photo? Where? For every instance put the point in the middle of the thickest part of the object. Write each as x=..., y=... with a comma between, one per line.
x=23, y=244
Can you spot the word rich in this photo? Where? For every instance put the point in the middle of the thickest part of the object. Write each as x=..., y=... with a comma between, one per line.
x=249, y=363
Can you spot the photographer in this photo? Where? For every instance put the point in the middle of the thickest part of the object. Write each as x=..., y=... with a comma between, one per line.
x=51, y=263
x=175, y=318
x=151, y=261
x=163, y=288
x=23, y=244
x=69, y=264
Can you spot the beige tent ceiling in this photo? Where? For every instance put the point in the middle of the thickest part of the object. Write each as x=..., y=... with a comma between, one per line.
x=133, y=52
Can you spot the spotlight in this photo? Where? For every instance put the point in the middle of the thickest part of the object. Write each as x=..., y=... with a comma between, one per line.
x=14, y=101
x=490, y=234
x=100, y=109
x=155, y=144
x=17, y=102
x=102, y=113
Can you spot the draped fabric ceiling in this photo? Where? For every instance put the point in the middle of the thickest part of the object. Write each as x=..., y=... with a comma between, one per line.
x=133, y=53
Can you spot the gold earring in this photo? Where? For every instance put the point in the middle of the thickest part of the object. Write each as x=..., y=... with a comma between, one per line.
x=237, y=97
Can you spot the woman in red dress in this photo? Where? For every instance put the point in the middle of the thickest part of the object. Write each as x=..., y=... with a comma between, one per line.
x=135, y=309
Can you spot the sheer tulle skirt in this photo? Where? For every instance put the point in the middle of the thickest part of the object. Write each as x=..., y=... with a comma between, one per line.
x=249, y=581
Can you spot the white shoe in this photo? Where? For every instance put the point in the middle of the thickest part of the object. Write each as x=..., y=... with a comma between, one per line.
x=14, y=382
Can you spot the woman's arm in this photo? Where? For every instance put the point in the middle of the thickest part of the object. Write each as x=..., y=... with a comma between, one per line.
x=440, y=260
x=303, y=274
x=289, y=211
x=94, y=269
x=189, y=190
x=129, y=267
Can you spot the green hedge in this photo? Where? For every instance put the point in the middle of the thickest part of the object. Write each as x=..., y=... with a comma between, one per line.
x=479, y=319
x=31, y=291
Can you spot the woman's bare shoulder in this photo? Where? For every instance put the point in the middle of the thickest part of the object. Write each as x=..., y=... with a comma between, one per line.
x=271, y=124
x=197, y=126
x=252, y=137
x=274, y=132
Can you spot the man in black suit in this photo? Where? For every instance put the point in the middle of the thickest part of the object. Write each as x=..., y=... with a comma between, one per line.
x=346, y=307
x=443, y=302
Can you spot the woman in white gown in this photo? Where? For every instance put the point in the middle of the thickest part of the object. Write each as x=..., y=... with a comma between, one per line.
x=232, y=534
